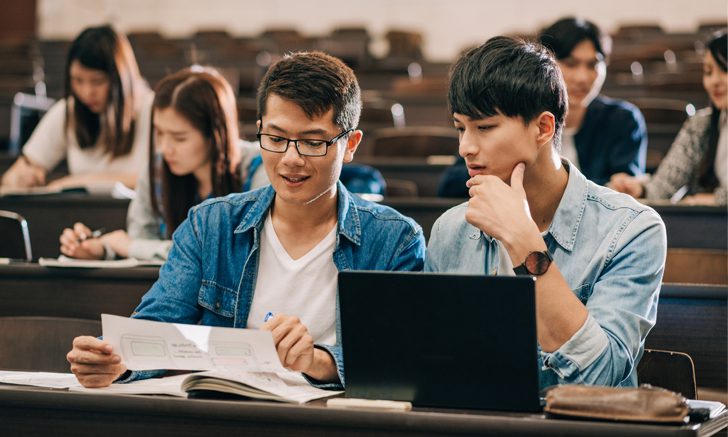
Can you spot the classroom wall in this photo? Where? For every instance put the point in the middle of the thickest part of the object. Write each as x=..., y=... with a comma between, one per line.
x=448, y=26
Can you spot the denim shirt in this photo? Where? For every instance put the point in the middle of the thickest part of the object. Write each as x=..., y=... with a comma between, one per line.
x=611, y=251
x=209, y=277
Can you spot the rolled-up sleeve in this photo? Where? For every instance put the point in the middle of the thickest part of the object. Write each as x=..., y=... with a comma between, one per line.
x=622, y=309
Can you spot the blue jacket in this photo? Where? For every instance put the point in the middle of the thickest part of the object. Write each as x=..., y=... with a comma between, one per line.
x=611, y=251
x=612, y=139
x=209, y=277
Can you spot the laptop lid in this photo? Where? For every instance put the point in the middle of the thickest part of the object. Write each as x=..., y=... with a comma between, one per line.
x=440, y=340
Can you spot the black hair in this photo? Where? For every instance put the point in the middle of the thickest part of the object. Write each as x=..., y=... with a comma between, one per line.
x=316, y=82
x=565, y=34
x=707, y=179
x=107, y=50
x=508, y=76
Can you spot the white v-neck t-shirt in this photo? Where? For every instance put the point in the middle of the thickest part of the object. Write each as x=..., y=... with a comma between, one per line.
x=305, y=287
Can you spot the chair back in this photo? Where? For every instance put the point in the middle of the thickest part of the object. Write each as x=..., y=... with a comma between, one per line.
x=415, y=141
x=16, y=238
x=696, y=266
x=670, y=370
x=41, y=343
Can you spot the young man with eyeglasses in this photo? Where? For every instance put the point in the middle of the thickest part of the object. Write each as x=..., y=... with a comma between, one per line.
x=597, y=255
x=278, y=249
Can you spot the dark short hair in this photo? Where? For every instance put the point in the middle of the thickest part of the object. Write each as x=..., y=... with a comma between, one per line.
x=316, y=82
x=508, y=76
x=565, y=34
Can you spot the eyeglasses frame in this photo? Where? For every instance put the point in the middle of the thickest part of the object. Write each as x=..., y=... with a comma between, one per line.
x=295, y=142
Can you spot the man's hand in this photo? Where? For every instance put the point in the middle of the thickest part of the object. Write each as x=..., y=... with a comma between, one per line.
x=295, y=348
x=87, y=248
x=499, y=210
x=624, y=183
x=93, y=362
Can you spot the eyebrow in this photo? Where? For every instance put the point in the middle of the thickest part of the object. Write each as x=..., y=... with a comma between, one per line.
x=308, y=132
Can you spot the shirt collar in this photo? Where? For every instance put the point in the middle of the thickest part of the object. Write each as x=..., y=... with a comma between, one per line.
x=565, y=224
x=348, y=224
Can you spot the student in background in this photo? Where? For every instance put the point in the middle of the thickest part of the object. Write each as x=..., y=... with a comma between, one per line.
x=698, y=158
x=101, y=126
x=195, y=154
x=602, y=136
x=598, y=255
x=278, y=249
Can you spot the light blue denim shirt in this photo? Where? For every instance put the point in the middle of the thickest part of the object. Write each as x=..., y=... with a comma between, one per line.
x=209, y=277
x=611, y=251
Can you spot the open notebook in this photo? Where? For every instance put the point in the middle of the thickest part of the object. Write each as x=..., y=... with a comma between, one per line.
x=279, y=386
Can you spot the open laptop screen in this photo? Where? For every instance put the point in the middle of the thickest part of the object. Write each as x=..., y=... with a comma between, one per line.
x=440, y=340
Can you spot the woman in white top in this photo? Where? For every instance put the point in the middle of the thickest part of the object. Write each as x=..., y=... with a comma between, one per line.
x=698, y=158
x=195, y=155
x=101, y=126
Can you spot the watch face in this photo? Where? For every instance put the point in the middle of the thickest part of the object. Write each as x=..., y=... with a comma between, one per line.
x=537, y=263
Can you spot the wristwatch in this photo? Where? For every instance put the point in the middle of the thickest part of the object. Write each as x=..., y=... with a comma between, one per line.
x=536, y=264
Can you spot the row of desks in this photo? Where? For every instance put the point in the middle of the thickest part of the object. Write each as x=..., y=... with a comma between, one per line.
x=28, y=411
x=701, y=227
x=690, y=318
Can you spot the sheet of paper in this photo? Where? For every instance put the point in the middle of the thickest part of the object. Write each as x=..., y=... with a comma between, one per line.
x=714, y=407
x=147, y=345
x=171, y=385
x=64, y=261
x=40, y=379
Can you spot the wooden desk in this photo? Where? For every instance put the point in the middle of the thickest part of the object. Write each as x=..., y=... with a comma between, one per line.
x=33, y=290
x=692, y=319
x=47, y=216
x=703, y=227
x=29, y=411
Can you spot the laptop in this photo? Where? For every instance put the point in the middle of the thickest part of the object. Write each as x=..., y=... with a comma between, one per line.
x=440, y=340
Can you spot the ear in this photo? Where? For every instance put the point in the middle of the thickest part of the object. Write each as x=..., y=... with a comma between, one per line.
x=546, y=126
x=257, y=124
x=352, y=144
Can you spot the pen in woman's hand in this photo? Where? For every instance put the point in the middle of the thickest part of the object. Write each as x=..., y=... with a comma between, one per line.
x=95, y=234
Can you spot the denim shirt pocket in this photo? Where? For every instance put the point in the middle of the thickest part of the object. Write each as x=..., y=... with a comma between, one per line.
x=217, y=298
x=582, y=292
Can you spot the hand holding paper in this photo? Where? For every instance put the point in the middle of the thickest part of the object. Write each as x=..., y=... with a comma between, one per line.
x=147, y=345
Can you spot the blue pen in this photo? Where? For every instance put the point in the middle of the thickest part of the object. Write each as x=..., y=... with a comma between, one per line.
x=268, y=316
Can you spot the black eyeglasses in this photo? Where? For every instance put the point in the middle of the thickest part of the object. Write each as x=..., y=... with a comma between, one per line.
x=305, y=147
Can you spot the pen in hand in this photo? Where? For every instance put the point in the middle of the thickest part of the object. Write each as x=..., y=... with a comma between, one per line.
x=95, y=234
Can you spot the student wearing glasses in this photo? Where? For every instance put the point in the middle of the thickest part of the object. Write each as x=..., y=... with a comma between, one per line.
x=598, y=256
x=278, y=249
x=101, y=126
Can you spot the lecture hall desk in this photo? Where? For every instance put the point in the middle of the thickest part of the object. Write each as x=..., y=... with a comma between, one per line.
x=698, y=227
x=32, y=411
x=34, y=290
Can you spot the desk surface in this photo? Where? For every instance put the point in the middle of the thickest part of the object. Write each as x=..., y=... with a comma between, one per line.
x=24, y=410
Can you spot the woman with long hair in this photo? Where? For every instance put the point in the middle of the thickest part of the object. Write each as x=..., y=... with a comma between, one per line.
x=698, y=158
x=195, y=154
x=101, y=126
